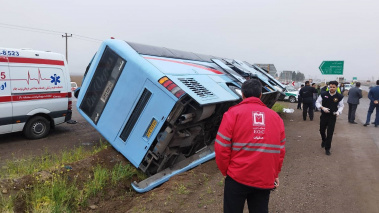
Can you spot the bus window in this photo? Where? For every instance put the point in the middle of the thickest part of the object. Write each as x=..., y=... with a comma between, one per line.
x=102, y=83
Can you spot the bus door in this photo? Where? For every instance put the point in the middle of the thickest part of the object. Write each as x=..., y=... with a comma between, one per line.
x=6, y=109
x=144, y=122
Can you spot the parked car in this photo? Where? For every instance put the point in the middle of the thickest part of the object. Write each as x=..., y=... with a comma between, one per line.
x=74, y=86
x=291, y=94
x=348, y=87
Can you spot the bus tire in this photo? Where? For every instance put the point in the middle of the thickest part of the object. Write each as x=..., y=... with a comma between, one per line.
x=37, y=127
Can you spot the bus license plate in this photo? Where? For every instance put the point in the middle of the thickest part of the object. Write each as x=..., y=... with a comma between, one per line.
x=151, y=128
x=107, y=92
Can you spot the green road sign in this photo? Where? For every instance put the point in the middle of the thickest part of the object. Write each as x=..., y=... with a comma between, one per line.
x=331, y=67
x=355, y=78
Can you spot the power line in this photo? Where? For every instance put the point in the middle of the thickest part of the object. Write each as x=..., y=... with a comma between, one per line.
x=31, y=28
x=89, y=40
x=52, y=32
x=85, y=37
x=28, y=30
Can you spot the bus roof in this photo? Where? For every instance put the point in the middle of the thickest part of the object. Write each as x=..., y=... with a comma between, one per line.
x=170, y=53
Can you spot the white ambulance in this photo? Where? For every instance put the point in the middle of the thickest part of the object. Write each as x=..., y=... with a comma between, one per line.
x=35, y=91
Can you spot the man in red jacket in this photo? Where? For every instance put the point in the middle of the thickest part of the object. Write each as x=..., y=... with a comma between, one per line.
x=250, y=151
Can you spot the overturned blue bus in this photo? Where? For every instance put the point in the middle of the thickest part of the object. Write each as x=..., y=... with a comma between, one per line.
x=160, y=107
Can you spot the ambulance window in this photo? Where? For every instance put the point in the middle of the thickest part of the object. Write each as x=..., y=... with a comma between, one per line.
x=103, y=81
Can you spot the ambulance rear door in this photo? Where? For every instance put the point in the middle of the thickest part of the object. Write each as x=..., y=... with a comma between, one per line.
x=6, y=110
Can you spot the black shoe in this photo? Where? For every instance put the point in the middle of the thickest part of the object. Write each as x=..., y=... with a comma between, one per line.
x=373, y=123
x=322, y=144
x=366, y=124
x=327, y=152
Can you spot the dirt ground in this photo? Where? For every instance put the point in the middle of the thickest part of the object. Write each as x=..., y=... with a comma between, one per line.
x=310, y=181
x=346, y=181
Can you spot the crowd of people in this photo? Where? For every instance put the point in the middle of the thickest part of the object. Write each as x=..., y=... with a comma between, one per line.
x=329, y=100
x=250, y=142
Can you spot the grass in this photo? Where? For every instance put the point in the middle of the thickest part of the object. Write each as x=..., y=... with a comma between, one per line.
x=22, y=167
x=122, y=171
x=60, y=192
x=278, y=108
x=55, y=195
x=181, y=189
x=6, y=203
x=95, y=185
x=221, y=182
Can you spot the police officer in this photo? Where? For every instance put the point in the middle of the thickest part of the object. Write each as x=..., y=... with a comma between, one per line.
x=373, y=95
x=299, y=99
x=331, y=105
x=306, y=93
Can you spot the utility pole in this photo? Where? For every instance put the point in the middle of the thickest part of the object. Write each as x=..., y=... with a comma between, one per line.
x=66, y=36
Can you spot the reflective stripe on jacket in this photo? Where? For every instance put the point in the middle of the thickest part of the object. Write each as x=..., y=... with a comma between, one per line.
x=338, y=90
x=250, y=143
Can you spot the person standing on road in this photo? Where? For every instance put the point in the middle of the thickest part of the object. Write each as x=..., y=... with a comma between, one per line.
x=318, y=94
x=354, y=95
x=373, y=95
x=315, y=95
x=306, y=93
x=331, y=104
x=299, y=99
x=341, y=88
x=249, y=151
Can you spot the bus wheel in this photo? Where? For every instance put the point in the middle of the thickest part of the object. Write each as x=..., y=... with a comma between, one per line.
x=37, y=127
x=292, y=99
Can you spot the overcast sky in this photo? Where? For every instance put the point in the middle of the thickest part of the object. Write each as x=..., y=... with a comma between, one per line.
x=293, y=35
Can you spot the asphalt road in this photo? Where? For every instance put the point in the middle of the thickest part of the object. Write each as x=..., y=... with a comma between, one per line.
x=63, y=137
x=346, y=181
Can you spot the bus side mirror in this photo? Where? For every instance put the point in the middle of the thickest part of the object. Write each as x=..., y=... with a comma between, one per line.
x=76, y=92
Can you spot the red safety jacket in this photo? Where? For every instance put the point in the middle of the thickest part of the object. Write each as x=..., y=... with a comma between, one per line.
x=249, y=144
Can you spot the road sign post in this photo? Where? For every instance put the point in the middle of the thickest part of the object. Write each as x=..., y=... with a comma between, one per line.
x=332, y=67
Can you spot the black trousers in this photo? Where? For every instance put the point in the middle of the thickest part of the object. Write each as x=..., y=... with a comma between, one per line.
x=352, y=109
x=299, y=100
x=235, y=195
x=308, y=107
x=327, y=123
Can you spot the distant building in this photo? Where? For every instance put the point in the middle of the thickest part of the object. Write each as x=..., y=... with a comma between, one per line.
x=270, y=68
x=286, y=76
